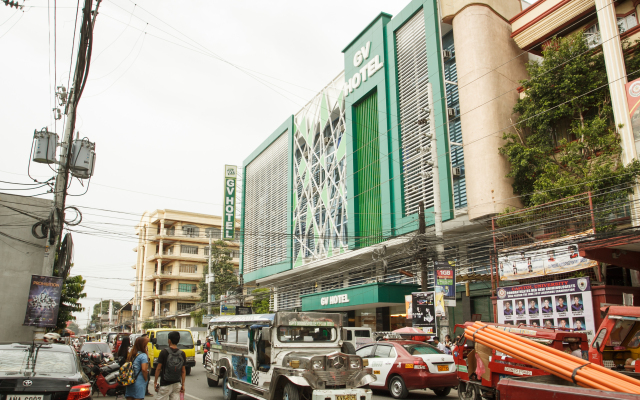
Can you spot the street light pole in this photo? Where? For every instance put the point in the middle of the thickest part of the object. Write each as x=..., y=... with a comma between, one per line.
x=209, y=278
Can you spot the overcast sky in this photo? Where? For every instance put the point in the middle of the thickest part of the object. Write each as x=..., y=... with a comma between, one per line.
x=176, y=90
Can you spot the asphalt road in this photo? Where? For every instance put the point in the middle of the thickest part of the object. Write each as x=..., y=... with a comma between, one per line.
x=197, y=389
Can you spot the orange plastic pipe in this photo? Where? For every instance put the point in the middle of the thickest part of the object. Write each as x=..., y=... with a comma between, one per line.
x=544, y=365
x=559, y=360
x=600, y=368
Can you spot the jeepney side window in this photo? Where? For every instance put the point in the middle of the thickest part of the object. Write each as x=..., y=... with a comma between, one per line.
x=598, y=342
x=222, y=334
x=243, y=336
x=363, y=333
x=349, y=335
x=634, y=343
x=231, y=335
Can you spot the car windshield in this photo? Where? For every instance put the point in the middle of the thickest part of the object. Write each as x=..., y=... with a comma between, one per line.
x=186, y=341
x=96, y=348
x=422, y=348
x=46, y=362
x=306, y=334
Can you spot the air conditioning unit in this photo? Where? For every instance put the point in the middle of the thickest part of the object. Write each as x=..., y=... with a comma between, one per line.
x=456, y=171
x=453, y=112
x=447, y=55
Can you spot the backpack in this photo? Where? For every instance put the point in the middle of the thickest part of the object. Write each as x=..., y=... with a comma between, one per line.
x=125, y=376
x=172, y=369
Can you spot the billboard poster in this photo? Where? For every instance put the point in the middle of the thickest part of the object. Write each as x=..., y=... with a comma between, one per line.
x=546, y=259
x=558, y=304
x=44, y=301
x=243, y=310
x=424, y=313
x=408, y=300
x=229, y=212
x=633, y=103
x=445, y=287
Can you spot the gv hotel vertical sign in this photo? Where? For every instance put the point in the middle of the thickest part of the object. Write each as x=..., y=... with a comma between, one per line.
x=229, y=222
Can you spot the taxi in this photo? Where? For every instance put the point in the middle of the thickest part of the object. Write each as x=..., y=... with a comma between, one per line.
x=403, y=365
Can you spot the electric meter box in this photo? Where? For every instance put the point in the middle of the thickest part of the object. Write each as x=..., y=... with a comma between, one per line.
x=88, y=173
x=46, y=146
x=81, y=155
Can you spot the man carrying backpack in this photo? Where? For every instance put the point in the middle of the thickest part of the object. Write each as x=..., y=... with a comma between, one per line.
x=170, y=370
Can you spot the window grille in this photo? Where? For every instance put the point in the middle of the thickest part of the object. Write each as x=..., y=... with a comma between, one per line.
x=185, y=306
x=265, y=206
x=413, y=77
x=628, y=22
x=190, y=231
x=214, y=233
x=593, y=36
x=188, y=268
x=188, y=249
x=187, y=288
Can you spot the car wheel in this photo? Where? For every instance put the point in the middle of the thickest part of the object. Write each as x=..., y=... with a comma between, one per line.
x=467, y=391
x=442, y=391
x=227, y=393
x=290, y=392
x=212, y=383
x=187, y=370
x=397, y=388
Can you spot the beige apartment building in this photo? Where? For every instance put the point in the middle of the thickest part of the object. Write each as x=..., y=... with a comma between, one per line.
x=172, y=256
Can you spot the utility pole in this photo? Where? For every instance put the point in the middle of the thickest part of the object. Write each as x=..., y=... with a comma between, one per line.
x=209, y=278
x=100, y=315
x=437, y=207
x=422, y=229
x=62, y=179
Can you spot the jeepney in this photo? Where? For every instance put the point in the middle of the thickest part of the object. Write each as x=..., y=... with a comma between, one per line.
x=285, y=356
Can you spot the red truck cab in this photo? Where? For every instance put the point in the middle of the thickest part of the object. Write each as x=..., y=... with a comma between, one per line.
x=477, y=383
x=617, y=341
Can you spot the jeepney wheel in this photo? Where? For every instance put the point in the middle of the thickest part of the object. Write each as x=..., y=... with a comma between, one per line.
x=467, y=391
x=212, y=383
x=187, y=370
x=227, y=393
x=442, y=391
x=290, y=392
x=397, y=388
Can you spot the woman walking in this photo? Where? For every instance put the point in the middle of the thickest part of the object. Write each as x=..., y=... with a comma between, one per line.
x=140, y=360
x=123, y=351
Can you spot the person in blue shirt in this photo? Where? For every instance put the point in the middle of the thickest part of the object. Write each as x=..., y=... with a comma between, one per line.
x=138, y=356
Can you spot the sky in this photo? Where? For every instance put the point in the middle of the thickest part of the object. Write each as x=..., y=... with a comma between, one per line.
x=176, y=90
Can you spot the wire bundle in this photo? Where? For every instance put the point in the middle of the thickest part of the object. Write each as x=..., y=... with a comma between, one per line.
x=553, y=361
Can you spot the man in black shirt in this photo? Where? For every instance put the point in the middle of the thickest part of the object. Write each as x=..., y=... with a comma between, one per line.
x=171, y=370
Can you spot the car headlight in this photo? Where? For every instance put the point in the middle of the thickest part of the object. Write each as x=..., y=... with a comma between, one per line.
x=317, y=364
x=354, y=363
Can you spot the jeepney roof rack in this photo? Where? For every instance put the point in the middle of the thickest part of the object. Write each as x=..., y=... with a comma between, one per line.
x=243, y=320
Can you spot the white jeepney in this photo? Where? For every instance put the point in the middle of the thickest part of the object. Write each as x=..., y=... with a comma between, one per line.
x=285, y=356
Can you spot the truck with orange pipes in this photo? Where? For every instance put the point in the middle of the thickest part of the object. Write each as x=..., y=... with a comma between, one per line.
x=616, y=344
x=481, y=383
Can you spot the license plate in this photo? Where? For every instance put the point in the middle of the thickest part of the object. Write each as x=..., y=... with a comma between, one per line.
x=346, y=397
x=25, y=397
x=443, y=368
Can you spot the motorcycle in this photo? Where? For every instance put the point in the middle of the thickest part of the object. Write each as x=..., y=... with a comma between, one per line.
x=102, y=374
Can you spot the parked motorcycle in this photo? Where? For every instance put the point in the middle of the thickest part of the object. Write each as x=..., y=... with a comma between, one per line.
x=103, y=374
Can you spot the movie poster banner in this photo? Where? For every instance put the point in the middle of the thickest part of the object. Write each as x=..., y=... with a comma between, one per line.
x=560, y=304
x=44, y=301
x=424, y=315
x=445, y=287
x=522, y=263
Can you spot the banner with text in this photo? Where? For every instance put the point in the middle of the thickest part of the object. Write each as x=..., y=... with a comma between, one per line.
x=445, y=287
x=424, y=315
x=229, y=228
x=524, y=262
x=44, y=301
x=560, y=304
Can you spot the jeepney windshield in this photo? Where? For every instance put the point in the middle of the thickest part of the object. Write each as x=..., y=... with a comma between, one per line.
x=634, y=343
x=306, y=334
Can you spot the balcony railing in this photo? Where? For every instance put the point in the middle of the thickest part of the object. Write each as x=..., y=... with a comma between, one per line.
x=217, y=235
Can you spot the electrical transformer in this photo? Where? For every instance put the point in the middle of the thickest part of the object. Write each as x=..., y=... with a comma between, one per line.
x=46, y=146
x=88, y=173
x=81, y=158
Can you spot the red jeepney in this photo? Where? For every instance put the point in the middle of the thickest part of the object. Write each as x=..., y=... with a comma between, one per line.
x=478, y=383
x=617, y=342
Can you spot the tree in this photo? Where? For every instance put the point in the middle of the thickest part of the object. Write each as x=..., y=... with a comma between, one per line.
x=104, y=307
x=223, y=271
x=261, y=300
x=197, y=316
x=566, y=141
x=74, y=327
x=72, y=291
x=149, y=325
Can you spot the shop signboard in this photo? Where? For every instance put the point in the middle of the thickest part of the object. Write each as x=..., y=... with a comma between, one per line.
x=547, y=258
x=243, y=310
x=424, y=313
x=44, y=301
x=560, y=304
x=445, y=287
x=229, y=211
x=408, y=301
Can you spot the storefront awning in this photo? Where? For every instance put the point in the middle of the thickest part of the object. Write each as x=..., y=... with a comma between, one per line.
x=358, y=297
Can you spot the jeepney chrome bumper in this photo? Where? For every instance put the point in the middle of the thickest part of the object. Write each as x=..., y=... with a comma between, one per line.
x=337, y=394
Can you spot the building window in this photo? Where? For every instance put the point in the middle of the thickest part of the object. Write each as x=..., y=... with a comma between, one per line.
x=185, y=306
x=206, y=250
x=214, y=233
x=166, y=270
x=188, y=269
x=627, y=22
x=188, y=249
x=190, y=231
x=593, y=36
x=187, y=288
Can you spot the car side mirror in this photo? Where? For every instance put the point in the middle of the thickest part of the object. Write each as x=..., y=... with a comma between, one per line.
x=199, y=343
x=266, y=333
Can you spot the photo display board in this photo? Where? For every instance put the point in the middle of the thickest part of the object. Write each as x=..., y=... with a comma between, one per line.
x=424, y=314
x=558, y=304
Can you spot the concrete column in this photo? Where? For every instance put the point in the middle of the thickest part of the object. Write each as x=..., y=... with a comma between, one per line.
x=157, y=311
x=162, y=232
x=489, y=69
x=157, y=287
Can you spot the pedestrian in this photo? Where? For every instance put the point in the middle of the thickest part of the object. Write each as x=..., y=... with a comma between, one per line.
x=206, y=349
x=171, y=370
x=448, y=345
x=123, y=351
x=140, y=360
x=438, y=344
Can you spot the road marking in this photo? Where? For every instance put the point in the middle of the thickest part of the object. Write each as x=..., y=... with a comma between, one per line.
x=192, y=396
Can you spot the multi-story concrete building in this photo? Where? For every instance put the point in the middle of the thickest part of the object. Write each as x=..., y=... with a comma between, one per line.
x=342, y=179
x=173, y=252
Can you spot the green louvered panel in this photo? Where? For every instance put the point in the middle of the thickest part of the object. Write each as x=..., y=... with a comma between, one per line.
x=367, y=177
